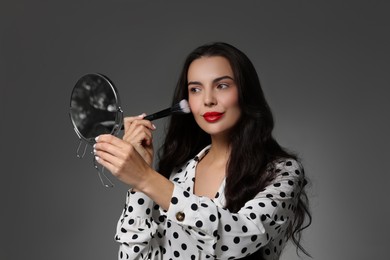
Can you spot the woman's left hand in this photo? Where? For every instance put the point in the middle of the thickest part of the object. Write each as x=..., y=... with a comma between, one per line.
x=121, y=159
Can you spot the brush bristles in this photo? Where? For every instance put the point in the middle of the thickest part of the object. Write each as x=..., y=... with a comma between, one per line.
x=184, y=106
x=181, y=107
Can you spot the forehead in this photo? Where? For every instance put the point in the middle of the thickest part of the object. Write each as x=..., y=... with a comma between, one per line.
x=209, y=68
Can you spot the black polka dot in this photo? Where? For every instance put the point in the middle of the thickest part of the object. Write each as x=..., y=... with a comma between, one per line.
x=269, y=196
x=201, y=241
x=244, y=229
x=136, y=249
x=186, y=194
x=253, y=238
x=228, y=228
x=282, y=194
x=131, y=221
x=236, y=240
x=175, y=235
x=130, y=209
x=273, y=203
x=290, y=182
x=243, y=251
x=288, y=163
x=263, y=217
x=252, y=215
x=235, y=218
x=135, y=236
x=174, y=200
x=194, y=207
x=297, y=172
x=261, y=204
x=148, y=211
x=176, y=253
x=277, y=184
x=267, y=251
x=199, y=224
x=123, y=230
x=224, y=248
x=184, y=246
x=212, y=218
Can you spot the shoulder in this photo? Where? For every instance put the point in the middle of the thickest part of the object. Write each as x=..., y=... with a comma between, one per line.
x=287, y=168
x=286, y=164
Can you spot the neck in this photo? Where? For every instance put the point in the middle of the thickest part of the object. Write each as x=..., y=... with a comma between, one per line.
x=220, y=149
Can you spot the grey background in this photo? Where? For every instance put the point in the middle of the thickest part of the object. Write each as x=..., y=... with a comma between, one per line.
x=324, y=67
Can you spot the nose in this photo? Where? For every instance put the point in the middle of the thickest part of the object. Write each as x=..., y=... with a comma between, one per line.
x=209, y=98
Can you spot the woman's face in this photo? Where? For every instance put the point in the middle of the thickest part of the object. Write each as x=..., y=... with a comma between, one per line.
x=213, y=95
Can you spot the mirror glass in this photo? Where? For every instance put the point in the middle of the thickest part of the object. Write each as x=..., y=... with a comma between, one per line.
x=95, y=107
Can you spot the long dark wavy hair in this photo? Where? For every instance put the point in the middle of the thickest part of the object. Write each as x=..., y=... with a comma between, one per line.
x=253, y=148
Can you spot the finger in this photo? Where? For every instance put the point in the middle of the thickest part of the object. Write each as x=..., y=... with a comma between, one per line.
x=113, y=161
x=137, y=120
x=106, y=164
x=127, y=121
x=112, y=145
x=107, y=138
x=139, y=136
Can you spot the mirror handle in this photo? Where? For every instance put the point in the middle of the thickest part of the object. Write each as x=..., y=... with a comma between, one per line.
x=101, y=173
x=80, y=156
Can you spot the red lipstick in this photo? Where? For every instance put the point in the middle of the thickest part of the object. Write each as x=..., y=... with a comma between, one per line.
x=212, y=116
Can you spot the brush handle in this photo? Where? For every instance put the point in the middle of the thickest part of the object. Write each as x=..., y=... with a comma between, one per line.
x=155, y=116
x=158, y=115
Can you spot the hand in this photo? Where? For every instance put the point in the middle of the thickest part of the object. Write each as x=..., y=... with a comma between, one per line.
x=138, y=132
x=122, y=160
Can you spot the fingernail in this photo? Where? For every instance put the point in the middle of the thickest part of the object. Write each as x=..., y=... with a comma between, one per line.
x=94, y=151
x=97, y=158
x=94, y=146
x=154, y=127
x=142, y=115
x=97, y=138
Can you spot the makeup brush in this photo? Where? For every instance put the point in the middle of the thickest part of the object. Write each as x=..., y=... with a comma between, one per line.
x=180, y=108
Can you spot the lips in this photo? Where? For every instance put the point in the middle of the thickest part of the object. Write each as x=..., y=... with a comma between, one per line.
x=212, y=116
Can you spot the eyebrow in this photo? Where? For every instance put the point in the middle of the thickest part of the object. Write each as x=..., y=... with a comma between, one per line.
x=214, y=81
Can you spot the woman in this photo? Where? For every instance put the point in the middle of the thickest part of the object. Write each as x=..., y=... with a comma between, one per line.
x=224, y=187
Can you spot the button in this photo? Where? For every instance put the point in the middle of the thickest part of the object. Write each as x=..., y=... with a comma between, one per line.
x=180, y=216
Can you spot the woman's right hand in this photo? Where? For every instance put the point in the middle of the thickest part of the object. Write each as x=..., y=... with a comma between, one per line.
x=138, y=132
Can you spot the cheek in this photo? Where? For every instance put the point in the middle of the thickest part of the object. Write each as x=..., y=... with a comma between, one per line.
x=192, y=102
x=231, y=99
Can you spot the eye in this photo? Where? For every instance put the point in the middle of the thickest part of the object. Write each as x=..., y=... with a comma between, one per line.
x=222, y=85
x=194, y=89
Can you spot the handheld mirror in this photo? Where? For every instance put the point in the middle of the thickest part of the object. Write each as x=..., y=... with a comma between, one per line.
x=95, y=109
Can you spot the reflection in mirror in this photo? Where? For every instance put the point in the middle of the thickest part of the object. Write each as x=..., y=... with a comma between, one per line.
x=95, y=107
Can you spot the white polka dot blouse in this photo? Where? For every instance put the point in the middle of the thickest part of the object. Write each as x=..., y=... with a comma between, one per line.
x=197, y=227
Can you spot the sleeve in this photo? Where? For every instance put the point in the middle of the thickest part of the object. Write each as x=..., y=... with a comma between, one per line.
x=225, y=235
x=136, y=228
